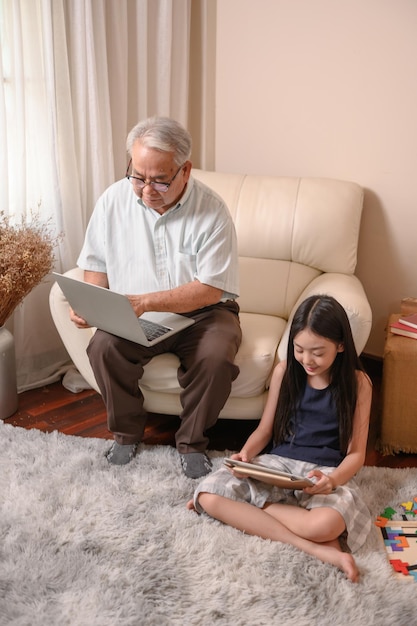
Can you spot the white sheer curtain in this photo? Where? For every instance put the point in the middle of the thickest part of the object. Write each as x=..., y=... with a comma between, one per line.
x=75, y=76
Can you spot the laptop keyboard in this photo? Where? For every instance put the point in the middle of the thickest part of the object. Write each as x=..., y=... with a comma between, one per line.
x=153, y=330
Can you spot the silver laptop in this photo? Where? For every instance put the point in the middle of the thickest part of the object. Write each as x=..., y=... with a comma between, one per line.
x=112, y=312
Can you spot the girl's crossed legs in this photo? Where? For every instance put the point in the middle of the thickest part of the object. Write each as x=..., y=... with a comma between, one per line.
x=311, y=523
x=314, y=531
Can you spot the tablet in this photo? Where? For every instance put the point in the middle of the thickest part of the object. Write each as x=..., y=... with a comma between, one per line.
x=269, y=475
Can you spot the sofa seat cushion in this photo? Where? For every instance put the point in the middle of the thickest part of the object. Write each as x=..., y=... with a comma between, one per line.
x=255, y=358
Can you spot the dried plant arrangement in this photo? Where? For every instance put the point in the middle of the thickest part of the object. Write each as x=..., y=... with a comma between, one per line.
x=26, y=257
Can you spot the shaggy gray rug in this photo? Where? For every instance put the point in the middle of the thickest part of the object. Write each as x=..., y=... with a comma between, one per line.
x=86, y=544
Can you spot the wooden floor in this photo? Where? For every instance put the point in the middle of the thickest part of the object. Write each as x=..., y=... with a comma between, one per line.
x=83, y=414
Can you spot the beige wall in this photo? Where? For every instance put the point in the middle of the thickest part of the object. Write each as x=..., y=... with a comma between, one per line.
x=329, y=88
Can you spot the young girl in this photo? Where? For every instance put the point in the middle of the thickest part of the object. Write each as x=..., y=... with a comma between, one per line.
x=317, y=414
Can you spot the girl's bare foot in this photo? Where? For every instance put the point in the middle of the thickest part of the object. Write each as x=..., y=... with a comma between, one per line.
x=349, y=567
x=331, y=553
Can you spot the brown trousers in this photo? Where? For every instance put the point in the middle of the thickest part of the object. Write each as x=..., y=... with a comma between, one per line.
x=206, y=351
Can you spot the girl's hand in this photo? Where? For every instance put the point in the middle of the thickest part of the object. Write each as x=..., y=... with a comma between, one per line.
x=239, y=456
x=323, y=483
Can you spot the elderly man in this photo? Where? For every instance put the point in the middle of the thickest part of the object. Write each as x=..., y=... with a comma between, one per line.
x=168, y=242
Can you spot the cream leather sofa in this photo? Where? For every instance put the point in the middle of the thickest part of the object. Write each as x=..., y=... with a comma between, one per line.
x=297, y=237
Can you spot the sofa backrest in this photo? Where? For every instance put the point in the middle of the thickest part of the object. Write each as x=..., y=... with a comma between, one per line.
x=289, y=231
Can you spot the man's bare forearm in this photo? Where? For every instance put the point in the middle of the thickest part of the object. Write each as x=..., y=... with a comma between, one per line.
x=183, y=299
x=96, y=278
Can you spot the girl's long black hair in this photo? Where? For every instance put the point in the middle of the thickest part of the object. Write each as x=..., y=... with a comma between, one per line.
x=325, y=317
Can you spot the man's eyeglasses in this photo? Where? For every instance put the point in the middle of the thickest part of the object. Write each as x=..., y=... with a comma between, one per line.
x=141, y=183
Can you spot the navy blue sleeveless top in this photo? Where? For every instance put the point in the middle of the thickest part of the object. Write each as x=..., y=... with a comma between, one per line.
x=315, y=430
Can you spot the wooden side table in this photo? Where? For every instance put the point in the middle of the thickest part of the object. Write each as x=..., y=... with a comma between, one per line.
x=398, y=432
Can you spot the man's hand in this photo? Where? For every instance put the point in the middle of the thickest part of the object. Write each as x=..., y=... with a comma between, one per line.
x=78, y=321
x=137, y=304
x=95, y=278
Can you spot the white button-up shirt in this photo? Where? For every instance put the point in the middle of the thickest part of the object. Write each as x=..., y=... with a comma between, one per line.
x=143, y=252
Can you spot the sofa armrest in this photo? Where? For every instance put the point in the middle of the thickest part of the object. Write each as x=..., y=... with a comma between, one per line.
x=348, y=290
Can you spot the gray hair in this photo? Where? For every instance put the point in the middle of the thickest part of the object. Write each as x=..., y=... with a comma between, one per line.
x=164, y=134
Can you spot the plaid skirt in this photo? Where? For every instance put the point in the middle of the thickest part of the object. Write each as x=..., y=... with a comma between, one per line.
x=346, y=499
